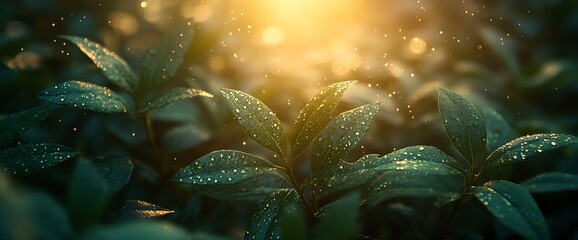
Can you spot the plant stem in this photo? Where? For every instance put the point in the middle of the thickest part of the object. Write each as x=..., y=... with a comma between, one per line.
x=296, y=185
x=152, y=139
x=449, y=217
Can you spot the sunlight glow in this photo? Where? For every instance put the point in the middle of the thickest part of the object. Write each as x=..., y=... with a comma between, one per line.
x=273, y=35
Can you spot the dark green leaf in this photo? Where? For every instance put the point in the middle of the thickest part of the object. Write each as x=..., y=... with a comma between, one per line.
x=132, y=209
x=464, y=125
x=84, y=96
x=526, y=147
x=183, y=137
x=265, y=224
x=498, y=130
x=495, y=40
x=514, y=207
x=111, y=65
x=258, y=121
x=338, y=219
x=551, y=182
x=137, y=231
x=223, y=167
x=170, y=96
x=315, y=115
x=14, y=124
x=165, y=58
x=342, y=176
x=293, y=225
x=87, y=195
x=30, y=158
x=341, y=135
x=115, y=171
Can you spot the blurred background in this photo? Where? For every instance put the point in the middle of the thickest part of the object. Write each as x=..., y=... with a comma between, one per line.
x=518, y=57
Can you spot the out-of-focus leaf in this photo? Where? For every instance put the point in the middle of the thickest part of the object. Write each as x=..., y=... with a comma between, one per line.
x=170, y=96
x=503, y=48
x=84, y=96
x=551, y=182
x=341, y=135
x=315, y=115
x=266, y=223
x=338, y=219
x=165, y=58
x=499, y=131
x=183, y=137
x=137, y=231
x=132, y=209
x=87, y=195
x=464, y=124
x=526, y=147
x=359, y=94
x=514, y=207
x=14, y=124
x=293, y=225
x=111, y=65
x=30, y=158
x=115, y=171
x=223, y=167
x=258, y=121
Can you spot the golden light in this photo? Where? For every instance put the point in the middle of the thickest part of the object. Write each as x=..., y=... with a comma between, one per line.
x=273, y=36
x=125, y=23
x=200, y=12
x=143, y=4
x=417, y=46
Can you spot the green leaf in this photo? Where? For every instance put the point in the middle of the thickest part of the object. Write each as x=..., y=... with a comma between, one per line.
x=14, y=124
x=252, y=190
x=551, y=182
x=499, y=132
x=338, y=219
x=341, y=135
x=87, y=195
x=137, y=231
x=526, y=147
x=84, y=96
x=514, y=207
x=505, y=52
x=258, y=121
x=182, y=137
x=115, y=171
x=166, y=57
x=111, y=65
x=464, y=125
x=342, y=176
x=166, y=98
x=223, y=167
x=134, y=209
x=315, y=115
x=293, y=225
x=31, y=158
x=265, y=224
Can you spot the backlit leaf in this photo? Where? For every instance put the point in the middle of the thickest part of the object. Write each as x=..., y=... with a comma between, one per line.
x=258, y=121
x=315, y=115
x=499, y=132
x=526, y=147
x=170, y=96
x=514, y=207
x=115, y=171
x=111, y=65
x=223, y=167
x=265, y=223
x=551, y=182
x=132, y=209
x=30, y=158
x=14, y=124
x=341, y=135
x=84, y=96
x=464, y=125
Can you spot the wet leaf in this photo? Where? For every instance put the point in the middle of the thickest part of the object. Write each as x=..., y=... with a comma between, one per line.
x=87, y=195
x=258, y=121
x=132, y=209
x=527, y=147
x=137, y=231
x=166, y=57
x=31, y=158
x=341, y=135
x=115, y=171
x=265, y=223
x=499, y=132
x=315, y=115
x=223, y=167
x=514, y=207
x=168, y=97
x=338, y=219
x=551, y=182
x=111, y=65
x=464, y=125
x=14, y=124
x=84, y=96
